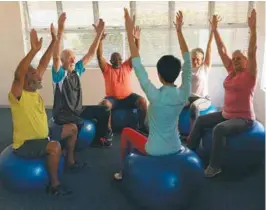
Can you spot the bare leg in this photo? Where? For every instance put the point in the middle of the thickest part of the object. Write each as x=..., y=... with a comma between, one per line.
x=54, y=151
x=108, y=104
x=70, y=133
x=142, y=106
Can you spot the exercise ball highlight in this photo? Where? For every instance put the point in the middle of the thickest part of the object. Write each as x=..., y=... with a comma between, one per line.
x=241, y=151
x=163, y=182
x=184, y=119
x=20, y=174
x=86, y=134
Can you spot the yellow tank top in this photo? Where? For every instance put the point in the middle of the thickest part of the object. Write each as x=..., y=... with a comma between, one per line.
x=29, y=117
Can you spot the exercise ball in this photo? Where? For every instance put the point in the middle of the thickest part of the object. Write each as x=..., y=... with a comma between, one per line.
x=20, y=174
x=163, y=182
x=184, y=119
x=243, y=150
x=86, y=134
x=124, y=117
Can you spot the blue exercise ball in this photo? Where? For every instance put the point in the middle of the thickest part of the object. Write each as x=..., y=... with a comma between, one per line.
x=124, y=117
x=242, y=150
x=163, y=182
x=86, y=134
x=184, y=119
x=20, y=174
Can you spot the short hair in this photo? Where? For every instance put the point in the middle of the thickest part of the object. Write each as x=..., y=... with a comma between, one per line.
x=115, y=54
x=169, y=68
x=64, y=54
x=197, y=50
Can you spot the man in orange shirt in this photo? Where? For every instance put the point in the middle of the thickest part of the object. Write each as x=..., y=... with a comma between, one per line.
x=117, y=83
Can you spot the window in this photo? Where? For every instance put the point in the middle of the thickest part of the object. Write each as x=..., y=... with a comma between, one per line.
x=233, y=11
x=42, y=14
x=195, y=13
x=112, y=12
x=79, y=13
x=151, y=13
x=155, y=19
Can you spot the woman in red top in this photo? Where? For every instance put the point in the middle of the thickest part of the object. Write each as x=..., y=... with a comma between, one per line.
x=238, y=111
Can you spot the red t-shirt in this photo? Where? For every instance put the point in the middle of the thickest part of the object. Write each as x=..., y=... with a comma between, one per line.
x=238, y=96
x=117, y=81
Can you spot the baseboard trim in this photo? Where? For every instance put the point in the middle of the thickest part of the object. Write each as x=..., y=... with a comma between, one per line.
x=8, y=107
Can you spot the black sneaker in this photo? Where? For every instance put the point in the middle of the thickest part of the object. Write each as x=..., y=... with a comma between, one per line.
x=58, y=190
x=77, y=166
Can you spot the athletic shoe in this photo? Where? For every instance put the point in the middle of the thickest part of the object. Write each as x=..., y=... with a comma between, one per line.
x=58, y=190
x=211, y=172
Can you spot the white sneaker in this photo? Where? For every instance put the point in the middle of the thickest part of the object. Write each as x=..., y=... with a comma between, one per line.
x=211, y=172
x=118, y=176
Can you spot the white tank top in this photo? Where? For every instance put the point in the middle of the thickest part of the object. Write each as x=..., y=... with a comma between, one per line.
x=200, y=81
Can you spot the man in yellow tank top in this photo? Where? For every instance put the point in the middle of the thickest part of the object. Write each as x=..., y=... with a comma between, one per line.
x=30, y=127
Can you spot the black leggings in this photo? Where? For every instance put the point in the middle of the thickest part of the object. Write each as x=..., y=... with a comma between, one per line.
x=101, y=115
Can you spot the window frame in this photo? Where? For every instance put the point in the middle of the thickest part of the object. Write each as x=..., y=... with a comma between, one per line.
x=133, y=10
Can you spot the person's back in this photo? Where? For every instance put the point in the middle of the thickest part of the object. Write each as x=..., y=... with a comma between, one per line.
x=163, y=114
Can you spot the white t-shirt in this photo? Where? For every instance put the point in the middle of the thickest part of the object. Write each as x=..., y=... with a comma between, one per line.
x=200, y=81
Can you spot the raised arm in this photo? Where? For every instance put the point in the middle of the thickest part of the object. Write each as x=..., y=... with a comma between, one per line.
x=208, y=54
x=146, y=85
x=252, y=48
x=227, y=61
x=99, y=28
x=178, y=25
x=136, y=34
x=44, y=62
x=57, y=48
x=18, y=82
x=187, y=67
x=101, y=60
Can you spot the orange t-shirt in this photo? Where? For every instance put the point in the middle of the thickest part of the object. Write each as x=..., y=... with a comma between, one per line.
x=117, y=81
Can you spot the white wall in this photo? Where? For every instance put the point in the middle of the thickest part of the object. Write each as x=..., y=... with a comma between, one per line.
x=11, y=51
x=11, y=45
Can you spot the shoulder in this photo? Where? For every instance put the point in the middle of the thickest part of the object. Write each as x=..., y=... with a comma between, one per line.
x=127, y=64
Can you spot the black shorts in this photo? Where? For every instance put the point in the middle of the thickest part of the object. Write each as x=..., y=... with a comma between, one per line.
x=36, y=148
x=128, y=102
x=32, y=149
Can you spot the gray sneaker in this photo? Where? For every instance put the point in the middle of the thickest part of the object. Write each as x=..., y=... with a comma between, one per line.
x=211, y=172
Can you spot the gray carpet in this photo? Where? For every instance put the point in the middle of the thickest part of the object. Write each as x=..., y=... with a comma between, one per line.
x=95, y=190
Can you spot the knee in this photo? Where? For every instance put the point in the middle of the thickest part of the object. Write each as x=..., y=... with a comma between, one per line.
x=142, y=103
x=219, y=129
x=54, y=148
x=107, y=104
x=199, y=120
x=70, y=130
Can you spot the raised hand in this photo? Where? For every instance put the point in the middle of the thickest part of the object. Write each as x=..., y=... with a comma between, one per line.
x=214, y=22
x=36, y=44
x=99, y=28
x=129, y=23
x=252, y=20
x=136, y=32
x=61, y=23
x=52, y=31
x=178, y=20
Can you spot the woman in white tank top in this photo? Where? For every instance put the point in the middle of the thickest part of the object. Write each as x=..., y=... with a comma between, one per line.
x=201, y=64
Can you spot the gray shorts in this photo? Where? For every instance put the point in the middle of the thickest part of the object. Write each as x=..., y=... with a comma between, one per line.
x=36, y=148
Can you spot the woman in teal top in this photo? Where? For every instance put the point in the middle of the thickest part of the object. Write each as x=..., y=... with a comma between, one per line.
x=166, y=102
